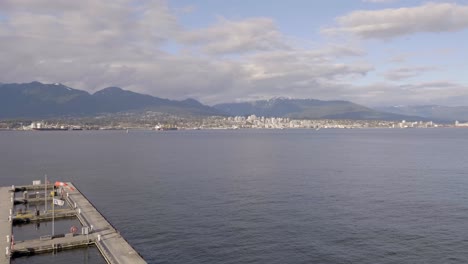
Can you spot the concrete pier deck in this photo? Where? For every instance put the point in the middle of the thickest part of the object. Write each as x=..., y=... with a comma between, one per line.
x=112, y=245
x=5, y=225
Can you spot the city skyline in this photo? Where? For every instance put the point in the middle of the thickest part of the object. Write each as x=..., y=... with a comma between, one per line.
x=372, y=52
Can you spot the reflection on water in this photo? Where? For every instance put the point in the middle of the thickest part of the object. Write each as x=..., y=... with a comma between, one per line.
x=35, y=230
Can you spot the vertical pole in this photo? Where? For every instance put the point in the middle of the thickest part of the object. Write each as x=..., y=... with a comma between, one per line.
x=53, y=214
x=45, y=194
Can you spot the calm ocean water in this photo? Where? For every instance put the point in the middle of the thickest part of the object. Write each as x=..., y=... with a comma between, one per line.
x=251, y=196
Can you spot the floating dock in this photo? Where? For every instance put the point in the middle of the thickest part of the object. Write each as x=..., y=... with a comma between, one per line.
x=96, y=229
x=49, y=244
x=29, y=217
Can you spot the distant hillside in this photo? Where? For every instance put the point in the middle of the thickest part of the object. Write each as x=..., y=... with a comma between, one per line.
x=433, y=112
x=309, y=109
x=38, y=100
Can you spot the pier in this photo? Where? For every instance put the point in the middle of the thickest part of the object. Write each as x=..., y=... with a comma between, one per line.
x=6, y=208
x=95, y=230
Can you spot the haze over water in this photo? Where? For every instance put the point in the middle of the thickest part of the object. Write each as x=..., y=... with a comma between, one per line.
x=256, y=196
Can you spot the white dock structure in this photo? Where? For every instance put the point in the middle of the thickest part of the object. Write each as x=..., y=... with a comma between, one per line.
x=96, y=230
x=6, y=209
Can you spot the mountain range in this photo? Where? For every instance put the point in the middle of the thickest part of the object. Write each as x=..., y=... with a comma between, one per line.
x=39, y=100
x=309, y=109
x=434, y=112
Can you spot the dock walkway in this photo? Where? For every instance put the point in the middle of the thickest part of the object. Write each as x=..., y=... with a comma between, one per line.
x=112, y=245
x=5, y=225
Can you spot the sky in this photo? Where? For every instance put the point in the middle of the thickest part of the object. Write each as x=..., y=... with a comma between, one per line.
x=372, y=52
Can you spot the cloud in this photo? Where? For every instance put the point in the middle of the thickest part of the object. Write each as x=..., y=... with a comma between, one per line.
x=94, y=44
x=391, y=23
x=406, y=73
x=440, y=92
x=400, y=58
x=339, y=50
x=297, y=73
x=86, y=40
x=300, y=64
x=253, y=34
x=294, y=73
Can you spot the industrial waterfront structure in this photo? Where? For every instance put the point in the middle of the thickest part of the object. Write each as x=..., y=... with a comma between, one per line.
x=95, y=230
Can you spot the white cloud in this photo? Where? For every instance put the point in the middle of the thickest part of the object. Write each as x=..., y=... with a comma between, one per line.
x=391, y=23
x=339, y=50
x=399, y=58
x=80, y=41
x=254, y=34
x=407, y=72
x=300, y=65
x=94, y=44
x=439, y=92
x=297, y=73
